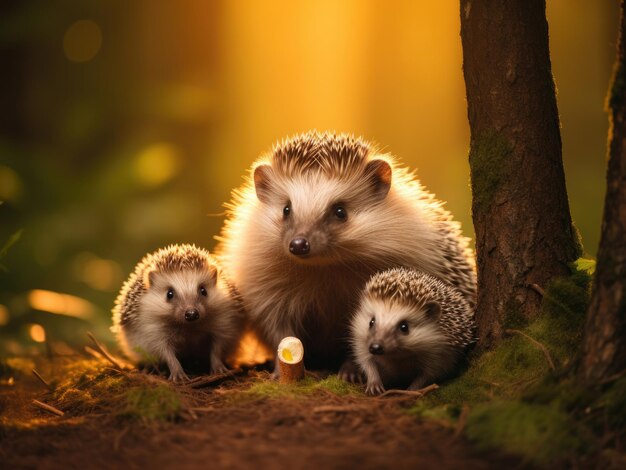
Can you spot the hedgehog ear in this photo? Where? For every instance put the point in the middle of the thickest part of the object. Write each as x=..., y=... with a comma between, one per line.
x=432, y=310
x=148, y=279
x=379, y=172
x=262, y=182
x=215, y=273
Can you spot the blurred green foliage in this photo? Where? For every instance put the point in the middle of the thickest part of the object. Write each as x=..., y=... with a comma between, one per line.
x=9, y=243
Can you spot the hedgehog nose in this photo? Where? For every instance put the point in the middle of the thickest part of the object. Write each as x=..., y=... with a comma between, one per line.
x=191, y=315
x=299, y=246
x=376, y=348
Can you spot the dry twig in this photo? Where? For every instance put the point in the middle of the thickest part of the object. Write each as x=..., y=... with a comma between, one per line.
x=118, y=439
x=48, y=408
x=102, y=350
x=537, y=288
x=42, y=380
x=92, y=352
x=203, y=381
x=613, y=378
x=340, y=408
x=536, y=343
x=410, y=393
x=460, y=424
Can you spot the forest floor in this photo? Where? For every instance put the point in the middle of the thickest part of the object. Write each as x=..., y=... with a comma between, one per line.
x=126, y=419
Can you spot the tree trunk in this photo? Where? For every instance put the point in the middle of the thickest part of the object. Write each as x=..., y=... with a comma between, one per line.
x=604, y=344
x=524, y=233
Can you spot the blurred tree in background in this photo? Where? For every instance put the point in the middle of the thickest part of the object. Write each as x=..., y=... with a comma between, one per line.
x=126, y=124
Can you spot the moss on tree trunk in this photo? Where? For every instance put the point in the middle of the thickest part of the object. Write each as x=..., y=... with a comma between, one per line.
x=524, y=233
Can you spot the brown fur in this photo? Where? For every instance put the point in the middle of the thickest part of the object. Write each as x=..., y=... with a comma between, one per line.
x=392, y=221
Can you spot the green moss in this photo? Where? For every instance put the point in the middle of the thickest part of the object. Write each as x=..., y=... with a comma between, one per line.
x=488, y=157
x=514, y=396
x=160, y=402
x=91, y=386
x=87, y=386
x=613, y=402
x=514, y=316
x=337, y=386
x=502, y=373
x=308, y=386
x=447, y=413
x=543, y=434
x=585, y=265
x=273, y=389
x=560, y=324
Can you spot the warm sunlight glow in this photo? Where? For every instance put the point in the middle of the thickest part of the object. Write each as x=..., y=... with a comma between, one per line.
x=98, y=273
x=102, y=274
x=10, y=184
x=4, y=315
x=60, y=304
x=251, y=351
x=157, y=164
x=37, y=333
x=82, y=41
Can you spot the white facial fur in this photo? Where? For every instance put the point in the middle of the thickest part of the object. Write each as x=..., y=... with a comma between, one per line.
x=158, y=316
x=423, y=333
x=186, y=286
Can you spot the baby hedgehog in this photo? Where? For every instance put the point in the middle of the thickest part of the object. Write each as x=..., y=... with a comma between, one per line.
x=175, y=306
x=411, y=329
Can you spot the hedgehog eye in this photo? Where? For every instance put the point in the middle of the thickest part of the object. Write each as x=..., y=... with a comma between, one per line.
x=404, y=327
x=203, y=291
x=170, y=294
x=372, y=323
x=340, y=212
x=287, y=210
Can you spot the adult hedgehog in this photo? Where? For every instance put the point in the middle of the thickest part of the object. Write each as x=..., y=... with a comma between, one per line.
x=319, y=215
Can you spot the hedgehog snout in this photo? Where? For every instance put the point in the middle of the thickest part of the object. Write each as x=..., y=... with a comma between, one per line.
x=192, y=314
x=299, y=246
x=377, y=349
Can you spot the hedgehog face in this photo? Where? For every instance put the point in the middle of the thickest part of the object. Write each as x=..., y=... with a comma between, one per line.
x=315, y=216
x=389, y=330
x=185, y=298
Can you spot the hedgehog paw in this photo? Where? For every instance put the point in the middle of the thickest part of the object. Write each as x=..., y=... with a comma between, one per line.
x=276, y=372
x=350, y=372
x=219, y=368
x=178, y=376
x=374, y=388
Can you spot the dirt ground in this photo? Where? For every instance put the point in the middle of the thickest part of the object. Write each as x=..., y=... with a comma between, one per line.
x=320, y=430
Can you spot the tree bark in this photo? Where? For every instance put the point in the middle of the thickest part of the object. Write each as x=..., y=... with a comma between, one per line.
x=524, y=233
x=604, y=343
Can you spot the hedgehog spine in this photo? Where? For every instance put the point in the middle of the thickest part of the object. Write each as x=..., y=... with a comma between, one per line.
x=410, y=329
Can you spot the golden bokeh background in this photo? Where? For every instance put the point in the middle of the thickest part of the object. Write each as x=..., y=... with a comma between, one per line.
x=126, y=124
